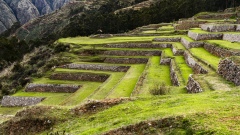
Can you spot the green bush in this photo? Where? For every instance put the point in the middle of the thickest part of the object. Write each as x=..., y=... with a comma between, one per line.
x=161, y=89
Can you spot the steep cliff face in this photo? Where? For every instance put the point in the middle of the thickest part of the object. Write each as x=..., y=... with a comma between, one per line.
x=25, y=10
x=7, y=17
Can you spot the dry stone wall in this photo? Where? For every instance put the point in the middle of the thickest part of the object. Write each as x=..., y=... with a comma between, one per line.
x=204, y=36
x=197, y=68
x=126, y=60
x=189, y=44
x=52, y=88
x=218, y=27
x=187, y=24
x=193, y=86
x=138, y=45
x=133, y=53
x=230, y=70
x=220, y=52
x=96, y=67
x=173, y=74
x=231, y=37
x=168, y=39
x=12, y=101
x=177, y=51
x=80, y=77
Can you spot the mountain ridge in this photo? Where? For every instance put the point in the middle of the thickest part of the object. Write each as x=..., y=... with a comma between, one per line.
x=14, y=11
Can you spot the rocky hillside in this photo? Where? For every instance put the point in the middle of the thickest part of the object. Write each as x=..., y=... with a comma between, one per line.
x=22, y=11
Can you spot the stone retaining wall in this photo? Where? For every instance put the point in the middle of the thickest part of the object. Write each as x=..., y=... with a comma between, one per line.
x=193, y=86
x=96, y=67
x=11, y=101
x=164, y=60
x=168, y=39
x=197, y=68
x=177, y=51
x=204, y=36
x=230, y=70
x=231, y=37
x=187, y=24
x=218, y=27
x=133, y=53
x=220, y=52
x=126, y=60
x=52, y=88
x=173, y=74
x=138, y=45
x=189, y=44
x=80, y=77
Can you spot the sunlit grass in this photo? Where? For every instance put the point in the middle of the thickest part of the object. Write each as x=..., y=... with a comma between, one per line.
x=128, y=82
x=225, y=44
x=205, y=56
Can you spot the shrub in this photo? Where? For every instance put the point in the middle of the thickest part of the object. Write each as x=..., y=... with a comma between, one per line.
x=161, y=89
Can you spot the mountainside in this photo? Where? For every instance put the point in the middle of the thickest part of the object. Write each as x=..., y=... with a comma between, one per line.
x=22, y=11
x=90, y=17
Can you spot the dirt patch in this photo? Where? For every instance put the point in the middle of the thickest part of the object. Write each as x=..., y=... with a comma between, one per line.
x=93, y=106
x=28, y=122
x=151, y=127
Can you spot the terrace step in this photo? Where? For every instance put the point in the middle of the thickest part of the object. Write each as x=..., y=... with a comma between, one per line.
x=204, y=36
x=97, y=67
x=197, y=68
x=12, y=101
x=80, y=77
x=231, y=37
x=126, y=60
x=138, y=45
x=220, y=51
x=188, y=44
x=211, y=27
x=133, y=53
x=52, y=88
x=177, y=48
x=167, y=39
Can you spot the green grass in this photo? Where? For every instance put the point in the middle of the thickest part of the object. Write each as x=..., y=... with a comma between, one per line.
x=128, y=82
x=225, y=44
x=107, y=86
x=216, y=112
x=183, y=68
x=205, y=56
x=157, y=31
x=156, y=74
x=89, y=41
x=9, y=110
x=179, y=46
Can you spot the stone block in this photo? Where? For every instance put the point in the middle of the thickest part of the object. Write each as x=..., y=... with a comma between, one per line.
x=12, y=101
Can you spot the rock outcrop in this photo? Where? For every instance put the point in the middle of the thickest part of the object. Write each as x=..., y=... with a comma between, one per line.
x=22, y=11
x=7, y=17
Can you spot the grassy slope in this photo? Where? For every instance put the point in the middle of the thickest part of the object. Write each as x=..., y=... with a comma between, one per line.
x=156, y=74
x=215, y=112
x=125, y=87
x=204, y=55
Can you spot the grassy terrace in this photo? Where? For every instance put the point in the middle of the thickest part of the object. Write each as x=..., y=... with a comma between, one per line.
x=199, y=30
x=125, y=87
x=205, y=56
x=88, y=41
x=225, y=44
x=184, y=69
x=156, y=74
